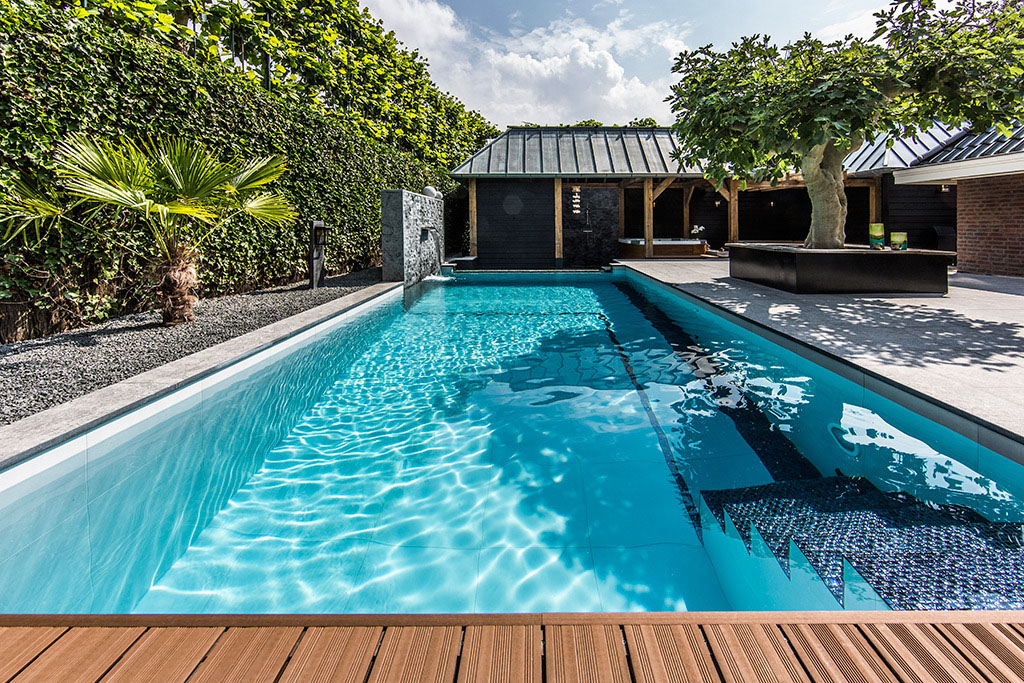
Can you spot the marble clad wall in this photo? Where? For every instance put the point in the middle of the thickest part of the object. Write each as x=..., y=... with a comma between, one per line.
x=411, y=235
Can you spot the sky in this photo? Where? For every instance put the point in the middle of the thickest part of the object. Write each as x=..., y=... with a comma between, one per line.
x=560, y=61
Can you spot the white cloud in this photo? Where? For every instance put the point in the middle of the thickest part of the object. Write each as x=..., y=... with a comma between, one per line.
x=425, y=24
x=562, y=72
x=861, y=24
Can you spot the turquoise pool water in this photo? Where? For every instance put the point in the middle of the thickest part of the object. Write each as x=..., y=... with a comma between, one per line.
x=510, y=443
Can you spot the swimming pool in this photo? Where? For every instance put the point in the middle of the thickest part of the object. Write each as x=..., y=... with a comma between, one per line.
x=515, y=443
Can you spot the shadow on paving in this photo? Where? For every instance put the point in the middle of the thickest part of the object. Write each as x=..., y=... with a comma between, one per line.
x=887, y=328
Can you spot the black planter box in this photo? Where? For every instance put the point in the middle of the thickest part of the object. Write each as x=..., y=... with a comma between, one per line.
x=853, y=270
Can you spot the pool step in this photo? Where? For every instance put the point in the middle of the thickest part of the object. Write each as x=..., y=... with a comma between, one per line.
x=916, y=555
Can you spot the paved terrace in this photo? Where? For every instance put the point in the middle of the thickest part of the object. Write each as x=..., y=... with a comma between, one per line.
x=592, y=648
x=965, y=348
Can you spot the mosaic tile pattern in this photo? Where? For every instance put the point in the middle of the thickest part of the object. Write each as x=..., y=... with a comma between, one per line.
x=916, y=555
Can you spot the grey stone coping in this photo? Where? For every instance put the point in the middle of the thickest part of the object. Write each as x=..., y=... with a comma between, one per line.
x=996, y=437
x=46, y=429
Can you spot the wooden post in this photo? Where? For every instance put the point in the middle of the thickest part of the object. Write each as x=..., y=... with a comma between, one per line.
x=648, y=217
x=734, y=210
x=875, y=201
x=687, y=196
x=558, y=222
x=622, y=211
x=472, y=216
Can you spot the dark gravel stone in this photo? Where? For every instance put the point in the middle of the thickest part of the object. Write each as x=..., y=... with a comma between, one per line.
x=41, y=373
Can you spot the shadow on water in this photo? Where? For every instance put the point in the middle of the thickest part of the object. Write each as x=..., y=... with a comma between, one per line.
x=460, y=458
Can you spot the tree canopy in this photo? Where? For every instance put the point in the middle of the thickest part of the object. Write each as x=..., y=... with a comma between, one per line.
x=757, y=111
x=329, y=51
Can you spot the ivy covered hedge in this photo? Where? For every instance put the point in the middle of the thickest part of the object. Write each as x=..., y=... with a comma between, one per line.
x=62, y=74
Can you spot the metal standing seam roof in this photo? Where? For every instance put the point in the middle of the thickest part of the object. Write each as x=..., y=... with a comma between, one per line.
x=990, y=143
x=539, y=152
x=577, y=152
x=878, y=157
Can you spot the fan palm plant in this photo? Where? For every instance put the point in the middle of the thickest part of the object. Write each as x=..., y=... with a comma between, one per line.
x=180, y=192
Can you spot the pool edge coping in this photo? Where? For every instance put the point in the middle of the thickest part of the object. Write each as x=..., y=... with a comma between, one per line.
x=39, y=432
x=986, y=434
x=507, y=618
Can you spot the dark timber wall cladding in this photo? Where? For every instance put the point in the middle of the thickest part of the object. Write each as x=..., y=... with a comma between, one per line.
x=515, y=224
x=924, y=212
x=591, y=238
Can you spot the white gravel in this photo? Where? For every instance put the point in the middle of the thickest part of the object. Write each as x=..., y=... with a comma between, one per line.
x=40, y=373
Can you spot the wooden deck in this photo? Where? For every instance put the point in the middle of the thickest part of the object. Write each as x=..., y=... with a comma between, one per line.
x=864, y=647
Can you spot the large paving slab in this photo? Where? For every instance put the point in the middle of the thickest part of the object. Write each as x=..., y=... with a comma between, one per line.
x=964, y=348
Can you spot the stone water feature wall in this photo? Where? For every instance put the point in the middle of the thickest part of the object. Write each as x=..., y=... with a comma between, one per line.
x=411, y=235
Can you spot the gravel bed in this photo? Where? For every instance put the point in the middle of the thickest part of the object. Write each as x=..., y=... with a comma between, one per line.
x=41, y=373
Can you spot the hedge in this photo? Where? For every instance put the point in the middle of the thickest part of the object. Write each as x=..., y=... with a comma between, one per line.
x=61, y=74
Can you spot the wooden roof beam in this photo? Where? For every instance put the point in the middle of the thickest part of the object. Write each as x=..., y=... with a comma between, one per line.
x=662, y=186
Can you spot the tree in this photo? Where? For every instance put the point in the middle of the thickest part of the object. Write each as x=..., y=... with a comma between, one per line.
x=756, y=111
x=176, y=189
x=587, y=123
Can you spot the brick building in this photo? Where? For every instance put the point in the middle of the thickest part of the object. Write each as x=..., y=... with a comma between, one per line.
x=988, y=172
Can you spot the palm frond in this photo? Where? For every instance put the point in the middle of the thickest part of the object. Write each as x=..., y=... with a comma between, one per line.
x=108, y=192
x=269, y=209
x=200, y=212
x=124, y=165
x=257, y=173
x=29, y=210
x=185, y=169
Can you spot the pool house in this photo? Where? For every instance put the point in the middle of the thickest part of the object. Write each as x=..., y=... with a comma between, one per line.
x=553, y=197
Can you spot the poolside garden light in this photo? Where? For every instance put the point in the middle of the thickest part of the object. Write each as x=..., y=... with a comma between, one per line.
x=317, y=250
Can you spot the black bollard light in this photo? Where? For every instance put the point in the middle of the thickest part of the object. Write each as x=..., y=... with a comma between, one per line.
x=317, y=253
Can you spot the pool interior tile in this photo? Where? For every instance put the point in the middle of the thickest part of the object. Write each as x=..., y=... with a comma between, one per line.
x=52, y=574
x=537, y=580
x=397, y=579
x=535, y=505
x=621, y=494
x=657, y=578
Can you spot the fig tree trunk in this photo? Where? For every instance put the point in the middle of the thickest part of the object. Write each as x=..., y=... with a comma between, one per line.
x=176, y=286
x=822, y=168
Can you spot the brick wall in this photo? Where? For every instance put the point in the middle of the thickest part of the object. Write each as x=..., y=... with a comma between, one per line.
x=990, y=225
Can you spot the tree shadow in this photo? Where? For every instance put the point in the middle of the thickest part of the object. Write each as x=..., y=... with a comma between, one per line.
x=888, y=328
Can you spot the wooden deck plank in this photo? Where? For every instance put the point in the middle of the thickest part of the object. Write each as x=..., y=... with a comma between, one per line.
x=997, y=657
x=669, y=652
x=248, y=655
x=19, y=645
x=917, y=657
x=586, y=653
x=82, y=655
x=333, y=655
x=501, y=654
x=165, y=655
x=837, y=652
x=637, y=647
x=753, y=652
x=417, y=653
x=1010, y=633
